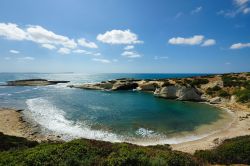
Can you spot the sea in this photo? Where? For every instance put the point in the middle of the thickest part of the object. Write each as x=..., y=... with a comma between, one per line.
x=120, y=116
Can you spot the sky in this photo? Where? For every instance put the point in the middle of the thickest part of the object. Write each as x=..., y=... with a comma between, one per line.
x=125, y=36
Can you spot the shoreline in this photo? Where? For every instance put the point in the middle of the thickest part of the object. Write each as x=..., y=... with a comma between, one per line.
x=240, y=126
x=13, y=123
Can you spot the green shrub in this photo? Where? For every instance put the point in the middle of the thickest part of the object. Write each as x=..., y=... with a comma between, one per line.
x=12, y=142
x=223, y=93
x=231, y=81
x=197, y=82
x=231, y=151
x=166, y=83
x=243, y=95
x=91, y=152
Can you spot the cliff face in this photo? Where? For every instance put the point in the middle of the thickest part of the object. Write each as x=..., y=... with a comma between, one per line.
x=178, y=92
x=216, y=89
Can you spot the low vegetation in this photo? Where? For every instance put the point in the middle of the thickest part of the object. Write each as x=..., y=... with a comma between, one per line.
x=243, y=95
x=198, y=82
x=231, y=151
x=91, y=152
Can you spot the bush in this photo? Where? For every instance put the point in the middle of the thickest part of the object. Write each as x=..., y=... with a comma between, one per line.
x=243, y=95
x=166, y=83
x=231, y=151
x=214, y=90
x=223, y=93
x=197, y=82
x=12, y=142
x=230, y=81
x=91, y=152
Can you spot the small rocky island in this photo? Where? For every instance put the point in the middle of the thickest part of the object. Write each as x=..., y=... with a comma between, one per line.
x=33, y=82
x=231, y=89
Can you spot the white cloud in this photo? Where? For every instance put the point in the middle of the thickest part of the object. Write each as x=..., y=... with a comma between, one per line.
x=97, y=54
x=131, y=54
x=228, y=63
x=196, y=10
x=240, y=6
x=246, y=10
x=208, y=42
x=119, y=37
x=240, y=45
x=160, y=57
x=49, y=46
x=27, y=58
x=85, y=43
x=101, y=60
x=80, y=51
x=195, y=40
x=12, y=32
x=129, y=47
x=64, y=50
x=41, y=35
x=14, y=52
x=240, y=2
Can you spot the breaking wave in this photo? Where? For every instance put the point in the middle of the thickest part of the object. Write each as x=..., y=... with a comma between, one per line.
x=52, y=118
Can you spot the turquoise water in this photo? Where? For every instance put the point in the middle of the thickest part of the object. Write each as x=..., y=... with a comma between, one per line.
x=112, y=116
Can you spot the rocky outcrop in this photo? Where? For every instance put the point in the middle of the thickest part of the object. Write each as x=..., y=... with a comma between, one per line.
x=178, y=92
x=124, y=86
x=148, y=86
x=215, y=89
x=33, y=82
x=215, y=100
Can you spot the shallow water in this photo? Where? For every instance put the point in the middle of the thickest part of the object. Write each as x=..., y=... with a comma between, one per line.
x=130, y=116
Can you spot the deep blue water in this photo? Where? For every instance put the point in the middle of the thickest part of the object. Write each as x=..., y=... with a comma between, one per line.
x=112, y=116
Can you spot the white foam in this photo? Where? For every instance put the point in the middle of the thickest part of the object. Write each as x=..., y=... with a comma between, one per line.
x=5, y=94
x=23, y=91
x=144, y=132
x=53, y=118
x=98, y=108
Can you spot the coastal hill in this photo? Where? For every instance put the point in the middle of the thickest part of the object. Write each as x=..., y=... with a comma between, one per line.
x=19, y=151
x=231, y=90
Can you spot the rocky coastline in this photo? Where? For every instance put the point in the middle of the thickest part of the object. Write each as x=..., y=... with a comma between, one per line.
x=221, y=91
x=33, y=82
x=214, y=89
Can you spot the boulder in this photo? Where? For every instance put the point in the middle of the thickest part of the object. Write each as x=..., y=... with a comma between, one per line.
x=215, y=100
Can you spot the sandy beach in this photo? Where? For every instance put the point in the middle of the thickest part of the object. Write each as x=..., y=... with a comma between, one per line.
x=240, y=126
x=13, y=123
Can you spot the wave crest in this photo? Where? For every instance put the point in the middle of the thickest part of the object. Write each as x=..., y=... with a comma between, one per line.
x=52, y=118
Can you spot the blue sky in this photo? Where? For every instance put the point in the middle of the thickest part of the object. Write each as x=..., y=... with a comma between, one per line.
x=137, y=36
